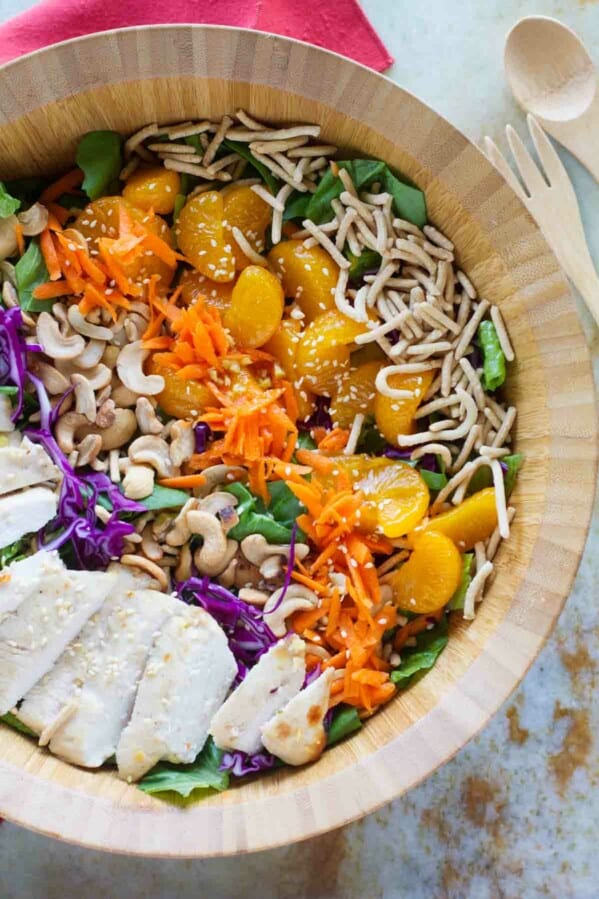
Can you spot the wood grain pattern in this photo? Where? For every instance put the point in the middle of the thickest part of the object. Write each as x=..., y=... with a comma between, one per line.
x=126, y=78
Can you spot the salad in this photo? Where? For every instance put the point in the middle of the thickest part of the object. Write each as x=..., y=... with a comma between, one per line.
x=253, y=444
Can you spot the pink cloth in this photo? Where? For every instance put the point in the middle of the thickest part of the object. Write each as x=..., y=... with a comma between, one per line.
x=338, y=25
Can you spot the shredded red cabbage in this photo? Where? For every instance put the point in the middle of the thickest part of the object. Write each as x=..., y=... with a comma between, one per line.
x=119, y=502
x=320, y=418
x=13, y=356
x=312, y=675
x=240, y=764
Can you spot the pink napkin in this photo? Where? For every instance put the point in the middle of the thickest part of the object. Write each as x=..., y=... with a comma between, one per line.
x=338, y=25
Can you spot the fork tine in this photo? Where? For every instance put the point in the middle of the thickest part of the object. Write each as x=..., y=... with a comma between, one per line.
x=495, y=156
x=529, y=171
x=554, y=167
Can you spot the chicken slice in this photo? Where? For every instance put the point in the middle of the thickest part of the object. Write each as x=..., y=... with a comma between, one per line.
x=23, y=578
x=187, y=677
x=102, y=705
x=38, y=631
x=24, y=466
x=269, y=685
x=25, y=513
x=296, y=734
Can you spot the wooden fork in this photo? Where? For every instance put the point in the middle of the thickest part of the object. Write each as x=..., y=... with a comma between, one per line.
x=550, y=199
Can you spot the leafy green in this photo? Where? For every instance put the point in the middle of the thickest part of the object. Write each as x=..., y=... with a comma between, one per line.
x=244, y=151
x=493, y=357
x=30, y=272
x=457, y=600
x=164, y=498
x=345, y=721
x=482, y=477
x=9, y=389
x=99, y=157
x=72, y=201
x=273, y=522
x=203, y=774
x=15, y=551
x=416, y=660
x=365, y=262
x=27, y=190
x=408, y=201
x=305, y=441
x=434, y=480
x=371, y=440
x=8, y=203
x=14, y=722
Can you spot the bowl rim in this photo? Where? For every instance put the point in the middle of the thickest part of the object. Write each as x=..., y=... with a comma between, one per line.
x=30, y=801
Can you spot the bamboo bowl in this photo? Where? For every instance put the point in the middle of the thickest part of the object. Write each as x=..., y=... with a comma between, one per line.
x=126, y=78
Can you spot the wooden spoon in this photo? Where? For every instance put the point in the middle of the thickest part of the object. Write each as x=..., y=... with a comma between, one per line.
x=553, y=77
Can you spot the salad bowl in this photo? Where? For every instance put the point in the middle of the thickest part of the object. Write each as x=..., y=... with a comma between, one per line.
x=123, y=79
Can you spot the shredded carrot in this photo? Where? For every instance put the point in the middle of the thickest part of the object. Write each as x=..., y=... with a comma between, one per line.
x=63, y=185
x=334, y=441
x=50, y=255
x=51, y=289
x=318, y=462
x=416, y=626
x=20, y=238
x=183, y=482
x=57, y=216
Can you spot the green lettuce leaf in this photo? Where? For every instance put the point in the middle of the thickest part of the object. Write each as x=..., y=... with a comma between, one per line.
x=244, y=151
x=482, y=477
x=30, y=272
x=365, y=262
x=416, y=660
x=99, y=157
x=457, y=600
x=15, y=551
x=371, y=440
x=164, y=498
x=14, y=722
x=493, y=357
x=8, y=203
x=434, y=480
x=203, y=774
x=305, y=441
x=273, y=522
x=345, y=721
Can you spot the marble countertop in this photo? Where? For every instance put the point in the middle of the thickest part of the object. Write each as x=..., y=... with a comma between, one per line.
x=515, y=815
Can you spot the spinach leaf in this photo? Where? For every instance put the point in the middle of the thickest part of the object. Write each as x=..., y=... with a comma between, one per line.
x=305, y=441
x=15, y=551
x=9, y=390
x=416, y=660
x=493, y=357
x=14, y=722
x=30, y=272
x=371, y=440
x=244, y=151
x=367, y=261
x=296, y=207
x=345, y=721
x=99, y=156
x=255, y=518
x=284, y=505
x=482, y=477
x=434, y=480
x=165, y=498
x=8, y=203
x=408, y=202
x=27, y=190
x=203, y=774
x=457, y=600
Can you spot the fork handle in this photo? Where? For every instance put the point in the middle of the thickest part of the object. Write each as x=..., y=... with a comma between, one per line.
x=586, y=282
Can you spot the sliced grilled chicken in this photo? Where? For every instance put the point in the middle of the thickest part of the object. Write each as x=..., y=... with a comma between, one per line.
x=187, y=677
x=38, y=631
x=296, y=734
x=25, y=466
x=102, y=705
x=23, y=578
x=25, y=513
x=268, y=687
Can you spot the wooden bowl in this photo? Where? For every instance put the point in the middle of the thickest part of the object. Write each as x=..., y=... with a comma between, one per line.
x=126, y=78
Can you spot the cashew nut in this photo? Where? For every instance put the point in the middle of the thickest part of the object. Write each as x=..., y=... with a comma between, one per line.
x=33, y=220
x=65, y=429
x=130, y=370
x=82, y=326
x=216, y=551
x=115, y=435
x=111, y=354
x=106, y=413
x=296, y=597
x=151, y=568
x=54, y=344
x=8, y=236
x=179, y=532
x=150, y=547
x=153, y=451
x=91, y=355
x=221, y=474
x=84, y=396
x=257, y=549
x=223, y=505
x=138, y=481
x=183, y=569
x=183, y=442
x=9, y=294
x=53, y=380
x=98, y=377
x=134, y=326
x=89, y=448
x=253, y=597
x=148, y=421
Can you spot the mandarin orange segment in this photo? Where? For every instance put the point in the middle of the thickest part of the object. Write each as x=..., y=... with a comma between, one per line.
x=396, y=416
x=395, y=496
x=308, y=275
x=180, y=398
x=324, y=350
x=202, y=238
x=430, y=577
x=215, y=293
x=472, y=521
x=356, y=394
x=283, y=345
x=244, y=209
x=256, y=307
x=101, y=219
x=153, y=188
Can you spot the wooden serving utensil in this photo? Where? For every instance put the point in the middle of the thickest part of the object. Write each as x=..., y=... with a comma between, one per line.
x=552, y=76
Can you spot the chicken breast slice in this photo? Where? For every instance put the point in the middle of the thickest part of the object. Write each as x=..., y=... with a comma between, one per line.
x=268, y=687
x=25, y=513
x=296, y=734
x=38, y=631
x=187, y=677
x=23, y=578
x=24, y=466
x=103, y=703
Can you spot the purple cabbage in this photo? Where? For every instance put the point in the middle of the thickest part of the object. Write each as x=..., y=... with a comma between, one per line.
x=240, y=764
x=202, y=434
x=391, y=452
x=13, y=355
x=312, y=675
x=320, y=418
x=119, y=502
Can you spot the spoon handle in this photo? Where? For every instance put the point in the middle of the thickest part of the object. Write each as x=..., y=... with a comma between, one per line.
x=580, y=136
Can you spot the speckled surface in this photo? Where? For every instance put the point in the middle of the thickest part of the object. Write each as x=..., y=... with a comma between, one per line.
x=516, y=814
